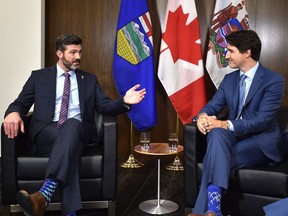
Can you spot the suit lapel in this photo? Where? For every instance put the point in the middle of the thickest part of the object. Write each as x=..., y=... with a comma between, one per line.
x=257, y=80
x=51, y=80
x=235, y=95
x=81, y=89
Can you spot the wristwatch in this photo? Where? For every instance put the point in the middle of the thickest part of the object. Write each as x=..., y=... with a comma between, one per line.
x=195, y=119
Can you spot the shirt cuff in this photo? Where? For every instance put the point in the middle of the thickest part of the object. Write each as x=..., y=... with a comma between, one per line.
x=127, y=106
x=230, y=125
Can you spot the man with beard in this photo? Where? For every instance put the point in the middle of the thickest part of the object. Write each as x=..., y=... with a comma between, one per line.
x=60, y=131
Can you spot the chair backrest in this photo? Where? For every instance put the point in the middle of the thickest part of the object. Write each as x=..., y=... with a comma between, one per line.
x=283, y=119
x=283, y=124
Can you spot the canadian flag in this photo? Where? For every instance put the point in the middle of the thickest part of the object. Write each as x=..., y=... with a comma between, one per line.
x=181, y=69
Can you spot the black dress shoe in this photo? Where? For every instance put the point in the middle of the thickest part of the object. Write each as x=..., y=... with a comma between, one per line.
x=34, y=203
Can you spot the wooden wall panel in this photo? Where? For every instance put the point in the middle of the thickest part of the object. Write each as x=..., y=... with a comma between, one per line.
x=271, y=25
x=96, y=20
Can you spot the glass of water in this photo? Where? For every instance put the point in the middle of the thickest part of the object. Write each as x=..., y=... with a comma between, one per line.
x=144, y=141
x=173, y=141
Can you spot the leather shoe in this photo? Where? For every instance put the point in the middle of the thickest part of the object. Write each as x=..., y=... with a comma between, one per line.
x=34, y=203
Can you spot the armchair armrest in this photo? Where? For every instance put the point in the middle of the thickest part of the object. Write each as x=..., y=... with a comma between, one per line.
x=10, y=148
x=109, y=156
x=194, y=151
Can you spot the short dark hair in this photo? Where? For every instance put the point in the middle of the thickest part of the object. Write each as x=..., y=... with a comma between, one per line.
x=245, y=40
x=67, y=39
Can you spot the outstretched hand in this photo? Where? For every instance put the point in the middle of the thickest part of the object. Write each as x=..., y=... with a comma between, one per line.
x=133, y=97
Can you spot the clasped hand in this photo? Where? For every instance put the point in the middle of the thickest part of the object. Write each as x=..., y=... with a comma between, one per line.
x=206, y=123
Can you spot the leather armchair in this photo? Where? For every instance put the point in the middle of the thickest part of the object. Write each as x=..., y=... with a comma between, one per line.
x=98, y=172
x=249, y=188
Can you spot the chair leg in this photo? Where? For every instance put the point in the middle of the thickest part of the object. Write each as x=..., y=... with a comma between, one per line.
x=5, y=210
x=111, y=208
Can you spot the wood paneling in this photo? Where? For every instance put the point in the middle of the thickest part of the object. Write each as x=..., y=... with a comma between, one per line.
x=96, y=20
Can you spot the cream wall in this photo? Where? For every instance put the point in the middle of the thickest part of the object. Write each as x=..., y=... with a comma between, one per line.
x=21, y=45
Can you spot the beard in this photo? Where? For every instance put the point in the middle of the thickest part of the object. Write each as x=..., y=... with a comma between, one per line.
x=69, y=64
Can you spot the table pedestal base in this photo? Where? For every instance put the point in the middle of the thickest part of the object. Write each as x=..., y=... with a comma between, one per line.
x=163, y=207
x=132, y=162
x=176, y=165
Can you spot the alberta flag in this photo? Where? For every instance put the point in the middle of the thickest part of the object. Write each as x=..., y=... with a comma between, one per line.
x=134, y=60
x=229, y=16
x=181, y=69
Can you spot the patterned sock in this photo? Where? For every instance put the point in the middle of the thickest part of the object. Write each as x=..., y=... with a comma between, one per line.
x=71, y=214
x=214, y=199
x=48, y=189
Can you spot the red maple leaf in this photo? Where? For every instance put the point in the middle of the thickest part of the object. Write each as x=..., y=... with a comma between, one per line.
x=181, y=38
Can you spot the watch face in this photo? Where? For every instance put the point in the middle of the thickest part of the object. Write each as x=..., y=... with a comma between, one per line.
x=127, y=106
x=195, y=119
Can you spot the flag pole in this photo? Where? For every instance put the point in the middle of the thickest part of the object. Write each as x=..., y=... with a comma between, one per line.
x=131, y=162
x=176, y=165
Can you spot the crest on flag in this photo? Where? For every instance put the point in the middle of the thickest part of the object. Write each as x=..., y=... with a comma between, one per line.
x=224, y=23
x=229, y=17
x=131, y=44
x=134, y=60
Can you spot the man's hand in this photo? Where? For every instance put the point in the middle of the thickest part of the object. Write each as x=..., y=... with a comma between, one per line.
x=12, y=123
x=202, y=123
x=132, y=96
x=206, y=123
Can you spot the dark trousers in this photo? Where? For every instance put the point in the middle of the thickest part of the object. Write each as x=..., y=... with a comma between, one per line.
x=224, y=152
x=64, y=146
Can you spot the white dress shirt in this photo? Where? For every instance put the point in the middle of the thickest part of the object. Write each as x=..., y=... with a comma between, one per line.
x=74, y=104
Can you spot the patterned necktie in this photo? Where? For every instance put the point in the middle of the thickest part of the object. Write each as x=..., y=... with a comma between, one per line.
x=65, y=100
x=242, y=86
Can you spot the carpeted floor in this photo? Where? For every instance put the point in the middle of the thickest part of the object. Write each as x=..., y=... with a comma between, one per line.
x=140, y=184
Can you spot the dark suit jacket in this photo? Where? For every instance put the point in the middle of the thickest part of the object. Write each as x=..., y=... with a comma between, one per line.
x=40, y=90
x=260, y=109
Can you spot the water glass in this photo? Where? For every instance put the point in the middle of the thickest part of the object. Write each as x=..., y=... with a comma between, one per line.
x=144, y=141
x=173, y=142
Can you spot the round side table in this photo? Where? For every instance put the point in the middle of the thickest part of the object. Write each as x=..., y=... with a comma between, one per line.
x=158, y=206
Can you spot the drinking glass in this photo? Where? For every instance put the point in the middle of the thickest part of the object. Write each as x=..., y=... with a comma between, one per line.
x=145, y=141
x=173, y=141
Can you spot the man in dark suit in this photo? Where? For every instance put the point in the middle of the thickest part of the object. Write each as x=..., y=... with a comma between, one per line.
x=62, y=142
x=245, y=138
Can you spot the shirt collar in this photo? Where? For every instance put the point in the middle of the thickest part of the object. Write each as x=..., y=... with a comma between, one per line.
x=60, y=71
x=251, y=73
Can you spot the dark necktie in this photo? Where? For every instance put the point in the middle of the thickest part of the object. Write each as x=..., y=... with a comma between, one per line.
x=242, y=86
x=65, y=100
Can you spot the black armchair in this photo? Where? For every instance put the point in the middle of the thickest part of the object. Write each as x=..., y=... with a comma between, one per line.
x=98, y=172
x=249, y=189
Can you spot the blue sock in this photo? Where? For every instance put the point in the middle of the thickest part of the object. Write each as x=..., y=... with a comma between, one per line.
x=214, y=199
x=49, y=188
x=71, y=214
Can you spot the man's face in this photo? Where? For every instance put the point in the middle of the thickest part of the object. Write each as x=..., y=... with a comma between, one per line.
x=235, y=58
x=71, y=57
